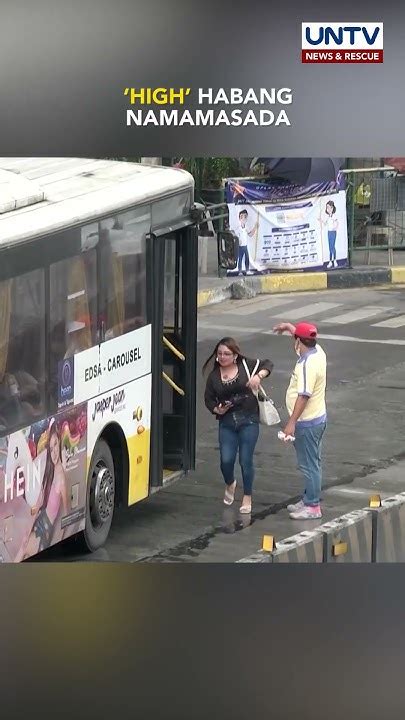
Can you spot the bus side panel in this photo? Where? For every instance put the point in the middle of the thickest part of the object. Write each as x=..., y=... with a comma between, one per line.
x=129, y=407
x=139, y=443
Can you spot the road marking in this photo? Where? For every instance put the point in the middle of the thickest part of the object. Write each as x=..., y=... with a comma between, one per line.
x=252, y=307
x=394, y=322
x=360, y=314
x=346, y=338
x=342, y=490
x=308, y=310
x=230, y=328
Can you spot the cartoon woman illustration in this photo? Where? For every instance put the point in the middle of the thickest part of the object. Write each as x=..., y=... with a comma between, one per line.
x=332, y=224
x=53, y=496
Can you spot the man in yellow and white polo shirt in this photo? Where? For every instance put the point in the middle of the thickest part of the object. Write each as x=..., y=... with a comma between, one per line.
x=305, y=400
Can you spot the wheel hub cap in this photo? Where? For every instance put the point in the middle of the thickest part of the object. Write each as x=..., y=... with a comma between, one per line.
x=103, y=495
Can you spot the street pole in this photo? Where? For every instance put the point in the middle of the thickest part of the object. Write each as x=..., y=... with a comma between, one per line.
x=199, y=178
x=352, y=200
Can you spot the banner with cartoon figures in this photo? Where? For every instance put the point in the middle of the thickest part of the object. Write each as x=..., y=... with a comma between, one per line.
x=287, y=227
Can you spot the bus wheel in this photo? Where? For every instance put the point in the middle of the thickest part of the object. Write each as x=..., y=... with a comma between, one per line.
x=100, y=497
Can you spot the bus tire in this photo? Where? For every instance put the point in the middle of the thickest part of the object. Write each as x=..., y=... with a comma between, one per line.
x=100, y=497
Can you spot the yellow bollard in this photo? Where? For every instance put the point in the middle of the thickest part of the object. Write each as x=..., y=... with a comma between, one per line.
x=268, y=543
x=339, y=549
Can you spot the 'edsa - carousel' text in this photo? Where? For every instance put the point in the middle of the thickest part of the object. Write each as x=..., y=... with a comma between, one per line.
x=114, y=363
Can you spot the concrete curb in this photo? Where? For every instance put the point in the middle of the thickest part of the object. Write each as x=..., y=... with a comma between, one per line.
x=217, y=295
x=239, y=288
x=367, y=535
x=359, y=278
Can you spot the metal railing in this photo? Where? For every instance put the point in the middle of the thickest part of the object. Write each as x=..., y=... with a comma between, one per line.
x=375, y=211
x=181, y=357
x=173, y=349
x=172, y=384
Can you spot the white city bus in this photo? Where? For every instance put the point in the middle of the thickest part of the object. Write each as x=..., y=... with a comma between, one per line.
x=98, y=287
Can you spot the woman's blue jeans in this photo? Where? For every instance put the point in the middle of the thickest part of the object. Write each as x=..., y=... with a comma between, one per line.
x=332, y=244
x=236, y=432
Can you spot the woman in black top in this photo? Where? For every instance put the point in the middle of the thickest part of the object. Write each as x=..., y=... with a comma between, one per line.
x=229, y=396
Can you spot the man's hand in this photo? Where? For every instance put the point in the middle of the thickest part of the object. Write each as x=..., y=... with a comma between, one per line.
x=284, y=327
x=289, y=429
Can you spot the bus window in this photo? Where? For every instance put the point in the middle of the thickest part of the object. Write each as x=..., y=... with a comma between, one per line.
x=172, y=207
x=172, y=286
x=22, y=350
x=123, y=261
x=73, y=311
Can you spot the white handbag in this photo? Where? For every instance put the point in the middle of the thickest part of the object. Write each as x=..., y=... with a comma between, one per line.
x=268, y=414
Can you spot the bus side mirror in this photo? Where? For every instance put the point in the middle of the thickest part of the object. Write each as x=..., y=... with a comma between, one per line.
x=227, y=250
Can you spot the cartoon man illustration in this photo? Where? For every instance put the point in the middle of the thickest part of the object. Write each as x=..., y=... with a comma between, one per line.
x=243, y=235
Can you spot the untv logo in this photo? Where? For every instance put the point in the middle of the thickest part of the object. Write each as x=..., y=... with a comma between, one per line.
x=342, y=43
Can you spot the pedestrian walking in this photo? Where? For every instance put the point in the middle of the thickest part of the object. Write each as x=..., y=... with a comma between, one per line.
x=229, y=395
x=306, y=405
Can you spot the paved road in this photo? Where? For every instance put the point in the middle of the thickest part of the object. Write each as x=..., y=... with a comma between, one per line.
x=363, y=333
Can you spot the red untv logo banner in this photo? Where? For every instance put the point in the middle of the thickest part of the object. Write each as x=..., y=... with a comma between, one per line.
x=342, y=43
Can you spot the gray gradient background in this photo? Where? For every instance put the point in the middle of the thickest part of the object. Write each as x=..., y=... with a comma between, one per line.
x=202, y=642
x=64, y=66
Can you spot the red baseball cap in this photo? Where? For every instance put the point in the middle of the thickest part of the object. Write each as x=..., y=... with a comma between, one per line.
x=306, y=330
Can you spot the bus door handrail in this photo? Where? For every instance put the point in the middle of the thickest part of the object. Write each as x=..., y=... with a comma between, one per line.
x=173, y=349
x=171, y=382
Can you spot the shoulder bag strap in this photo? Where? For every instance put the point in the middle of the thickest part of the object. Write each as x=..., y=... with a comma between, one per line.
x=244, y=363
x=251, y=375
x=260, y=388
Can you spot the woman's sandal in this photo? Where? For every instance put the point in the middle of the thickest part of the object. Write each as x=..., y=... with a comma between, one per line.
x=229, y=496
x=245, y=509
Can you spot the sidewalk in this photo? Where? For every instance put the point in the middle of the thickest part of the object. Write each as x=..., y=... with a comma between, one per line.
x=214, y=290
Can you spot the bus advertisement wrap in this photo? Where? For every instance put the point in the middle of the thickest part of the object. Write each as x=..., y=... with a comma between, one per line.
x=307, y=234
x=66, y=382
x=128, y=406
x=42, y=493
x=43, y=467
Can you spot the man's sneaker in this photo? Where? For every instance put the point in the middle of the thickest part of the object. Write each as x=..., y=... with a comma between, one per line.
x=294, y=508
x=308, y=512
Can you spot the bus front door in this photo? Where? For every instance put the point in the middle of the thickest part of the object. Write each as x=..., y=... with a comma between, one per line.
x=177, y=327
